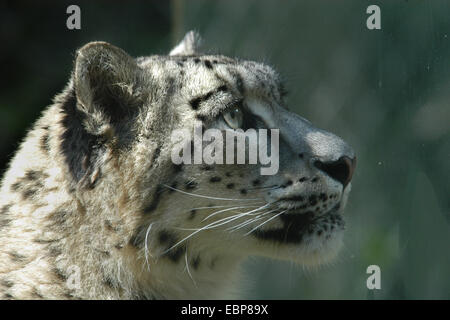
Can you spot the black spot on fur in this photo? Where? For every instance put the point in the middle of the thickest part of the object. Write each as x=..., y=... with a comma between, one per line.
x=36, y=294
x=230, y=186
x=282, y=90
x=201, y=117
x=60, y=274
x=239, y=83
x=315, y=179
x=243, y=191
x=156, y=154
x=323, y=197
x=256, y=182
x=176, y=253
x=5, y=209
x=177, y=167
x=189, y=185
x=4, y=222
x=16, y=257
x=16, y=186
x=215, y=179
x=228, y=174
x=28, y=193
x=222, y=88
x=110, y=227
x=109, y=282
x=303, y=179
x=32, y=175
x=312, y=200
x=192, y=214
x=168, y=239
x=196, y=60
x=195, y=103
x=45, y=142
x=6, y=283
x=196, y=262
x=165, y=237
x=156, y=198
x=60, y=217
x=54, y=251
x=208, y=64
x=287, y=184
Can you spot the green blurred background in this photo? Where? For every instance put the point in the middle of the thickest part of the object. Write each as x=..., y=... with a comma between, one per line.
x=387, y=92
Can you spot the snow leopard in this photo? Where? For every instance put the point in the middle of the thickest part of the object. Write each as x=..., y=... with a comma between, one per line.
x=93, y=207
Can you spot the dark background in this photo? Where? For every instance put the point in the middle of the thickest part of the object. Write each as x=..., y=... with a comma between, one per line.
x=387, y=92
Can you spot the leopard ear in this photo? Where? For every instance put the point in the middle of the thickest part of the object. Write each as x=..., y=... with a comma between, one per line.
x=105, y=81
x=190, y=45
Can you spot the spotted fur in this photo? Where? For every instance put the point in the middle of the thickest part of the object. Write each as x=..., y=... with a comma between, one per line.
x=93, y=188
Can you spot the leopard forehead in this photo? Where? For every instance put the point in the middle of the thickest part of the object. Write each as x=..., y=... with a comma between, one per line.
x=197, y=75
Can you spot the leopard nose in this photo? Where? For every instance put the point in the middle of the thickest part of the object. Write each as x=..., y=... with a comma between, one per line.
x=340, y=170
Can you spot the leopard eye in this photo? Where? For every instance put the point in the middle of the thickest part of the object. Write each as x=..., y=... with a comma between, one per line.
x=234, y=117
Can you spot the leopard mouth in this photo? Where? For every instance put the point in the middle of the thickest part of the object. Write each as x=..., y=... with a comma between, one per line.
x=301, y=227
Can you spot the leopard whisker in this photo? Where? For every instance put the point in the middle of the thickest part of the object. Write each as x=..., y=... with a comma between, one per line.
x=214, y=224
x=208, y=197
x=187, y=267
x=235, y=208
x=227, y=220
x=260, y=225
x=146, y=252
x=249, y=221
